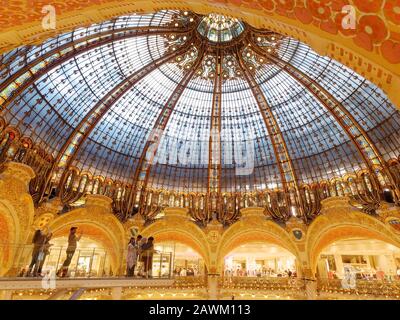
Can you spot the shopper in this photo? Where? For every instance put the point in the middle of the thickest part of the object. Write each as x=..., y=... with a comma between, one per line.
x=147, y=257
x=131, y=258
x=44, y=252
x=38, y=240
x=140, y=245
x=72, y=244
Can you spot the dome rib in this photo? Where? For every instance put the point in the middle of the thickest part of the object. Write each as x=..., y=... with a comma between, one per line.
x=141, y=175
x=287, y=173
x=214, y=148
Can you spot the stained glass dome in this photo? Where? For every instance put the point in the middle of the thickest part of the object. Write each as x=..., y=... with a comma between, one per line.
x=135, y=101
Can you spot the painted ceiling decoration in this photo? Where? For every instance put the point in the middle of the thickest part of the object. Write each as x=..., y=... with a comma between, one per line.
x=376, y=34
x=327, y=14
x=128, y=108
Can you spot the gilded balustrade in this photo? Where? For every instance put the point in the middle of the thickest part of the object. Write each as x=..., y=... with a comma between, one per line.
x=364, y=288
x=359, y=187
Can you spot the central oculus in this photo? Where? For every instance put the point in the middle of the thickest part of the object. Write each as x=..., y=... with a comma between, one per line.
x=219, y=28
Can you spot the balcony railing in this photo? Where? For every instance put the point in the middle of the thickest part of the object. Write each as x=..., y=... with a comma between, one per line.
x=388, y=288
x=262, y=283
x=87, y=262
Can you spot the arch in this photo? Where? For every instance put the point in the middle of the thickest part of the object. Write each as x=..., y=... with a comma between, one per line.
x=182, y=235
x=96, y=225
x=180, y=229
x=254, y=229
x=376, y=55
x=340, y=221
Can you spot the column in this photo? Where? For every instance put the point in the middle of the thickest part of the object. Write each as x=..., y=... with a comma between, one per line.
x=387, y=264
x=311, y=289
x=250, y=263
x=18, y=206
x=212, y=281
x=339, y=265
x=310, y=284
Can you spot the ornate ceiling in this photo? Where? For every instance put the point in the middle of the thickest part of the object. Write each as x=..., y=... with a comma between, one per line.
x=136, y=99
x=372, y=48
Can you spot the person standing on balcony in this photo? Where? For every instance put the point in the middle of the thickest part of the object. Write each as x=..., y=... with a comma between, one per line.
x=38, y=240
x=72, y=244
x=147, y=256
x=140, y=245
x=44, y=252
x=131, y=258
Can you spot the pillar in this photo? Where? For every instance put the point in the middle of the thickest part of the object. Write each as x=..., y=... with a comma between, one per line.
x=17, y=214
x=387, y=264
x=339, y=265
x=212, y=281
x=311, y=289
x=310, y=284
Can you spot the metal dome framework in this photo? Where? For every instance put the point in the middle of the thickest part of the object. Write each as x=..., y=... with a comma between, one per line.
x=97, y=109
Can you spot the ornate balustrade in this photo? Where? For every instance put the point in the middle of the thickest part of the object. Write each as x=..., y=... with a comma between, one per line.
x=367, y=288
x=365, y=189
x=261, y=283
